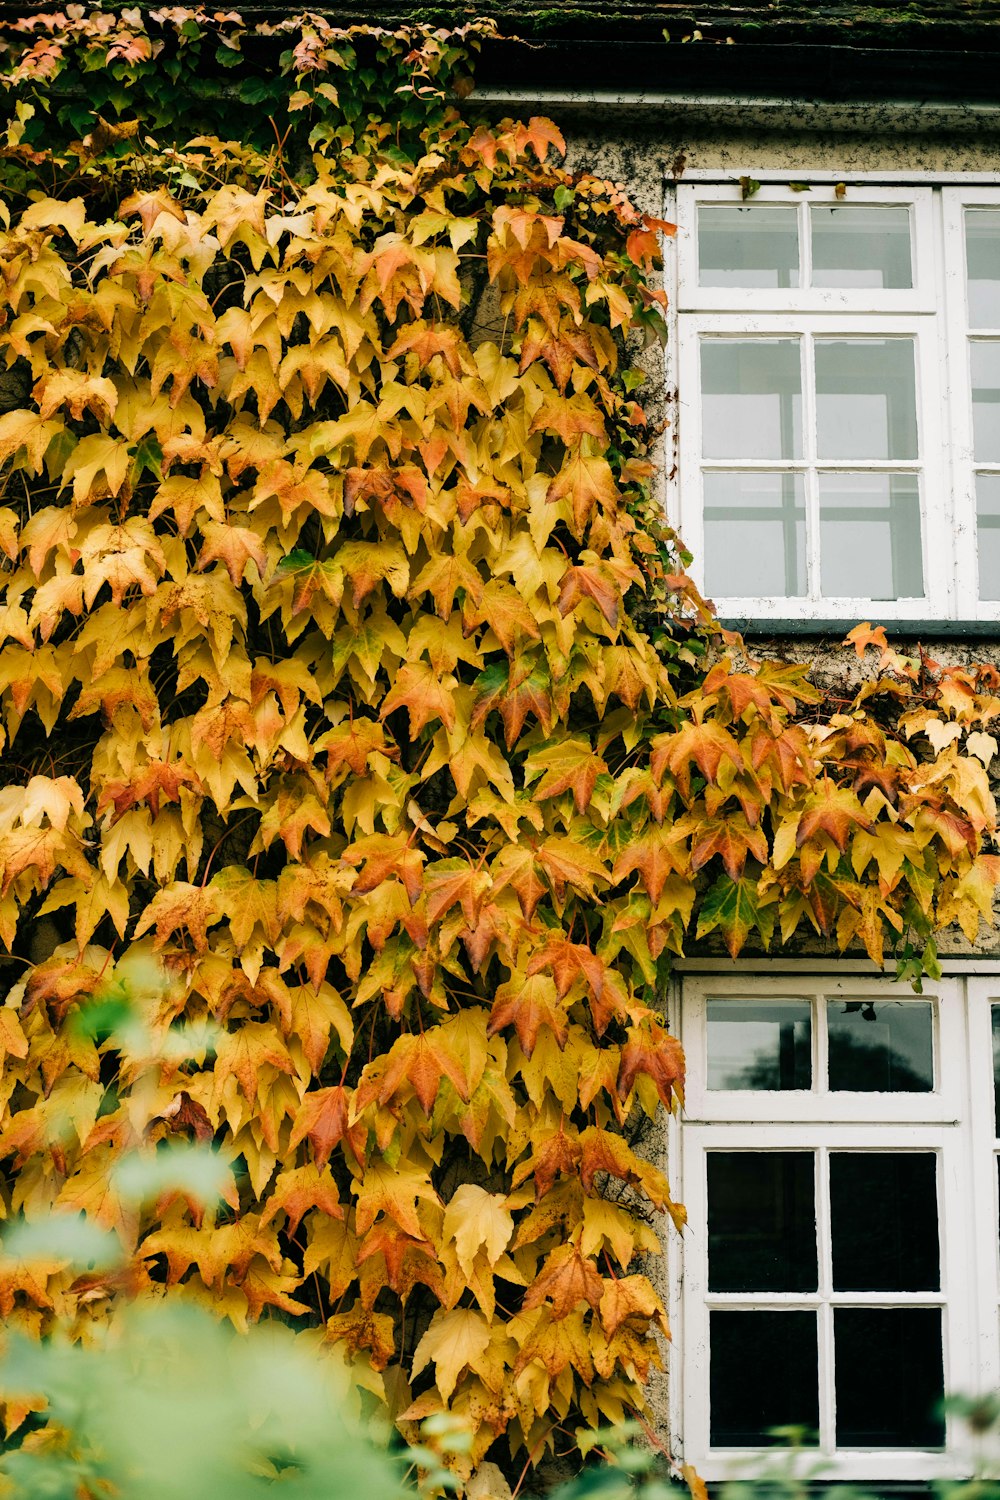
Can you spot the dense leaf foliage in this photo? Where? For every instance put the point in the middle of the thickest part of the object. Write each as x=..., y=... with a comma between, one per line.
x=361, y=724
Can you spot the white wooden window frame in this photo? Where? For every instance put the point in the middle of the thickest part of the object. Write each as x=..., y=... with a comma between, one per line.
x=955, y=1122
x=955, y=200
x=985, y=1156
x=935, y=308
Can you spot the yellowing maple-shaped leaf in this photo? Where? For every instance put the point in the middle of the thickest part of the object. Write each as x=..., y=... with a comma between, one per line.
x=181, y=907
x=477, y=1222
x=454, y=1341
x=393, y=1191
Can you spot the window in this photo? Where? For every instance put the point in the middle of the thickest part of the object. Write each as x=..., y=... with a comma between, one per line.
x=840, y=1163
x=827, y=465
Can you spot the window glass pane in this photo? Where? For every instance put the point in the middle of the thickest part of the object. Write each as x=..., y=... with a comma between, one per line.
x=741, y=244
x=982, y=258
x=869, y=536
x=888, y=1377
x=860, y=245
x=883, y=1211
x=751, y=398
x=755, y=535
x=756, y=1044
x=985, y=360
x=761, y=1221
x=988, y=534
x=995, y=1013
x=865, y=398
x=763, y=1374
x=881, y=1046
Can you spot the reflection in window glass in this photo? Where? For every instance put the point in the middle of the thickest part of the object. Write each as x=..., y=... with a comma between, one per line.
x=762, y=1374
x=870, y=544
x=761, y=1221
x=861, y=245
x=884, y=1221
x=888, y=1377
x=751, y=398
x=982, y=259
x=755, y=534
x=865, y=398
x=988, y=534
x=985, y=359
x=756, y=1044
x=881, y=1046
x=748, y=245
x=995, y=1016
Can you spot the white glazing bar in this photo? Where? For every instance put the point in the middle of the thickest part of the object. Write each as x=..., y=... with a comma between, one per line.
x=812, y=486
x=827, y=1394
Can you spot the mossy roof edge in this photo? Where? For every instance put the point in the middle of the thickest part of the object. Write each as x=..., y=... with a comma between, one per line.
x=912, y=24
x=920, y=24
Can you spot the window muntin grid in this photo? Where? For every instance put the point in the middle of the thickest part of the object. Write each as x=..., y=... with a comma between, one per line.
x=923, y=542
x=910, y=1100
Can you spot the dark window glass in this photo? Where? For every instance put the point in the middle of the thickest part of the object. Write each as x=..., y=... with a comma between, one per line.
x=996, y=1066
x=883, y=1209
x=763, y=1374
x=878, y=1046
x=759, y=1044
x=761, y=1221
x=889, y=1378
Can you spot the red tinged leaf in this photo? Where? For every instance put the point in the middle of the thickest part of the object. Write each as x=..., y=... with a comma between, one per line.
x=659, y=852
x=396, y=1248
x=707, y=745
x=832, y=810
x=515, y=867
x=732, y=839
x=566, y=1279
x=501, y=607
x=631, y=1297
x=570, y=963
x=595, y=582
x=421, y=1062
x=455, y=882
x=558, y=1345
x=660, y=1057
x=541, y=134
x=603, y=1151
x=587, y=485
x=526, y=688
x=555, y=1155
x=570, y=766
x=324, y=1120
x=420, y=690
x=298, y=1190
x=186, y=1114
x=528, y=1005
x=383, y=857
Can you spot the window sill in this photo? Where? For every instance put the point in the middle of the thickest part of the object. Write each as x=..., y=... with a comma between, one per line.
x=964, y=630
